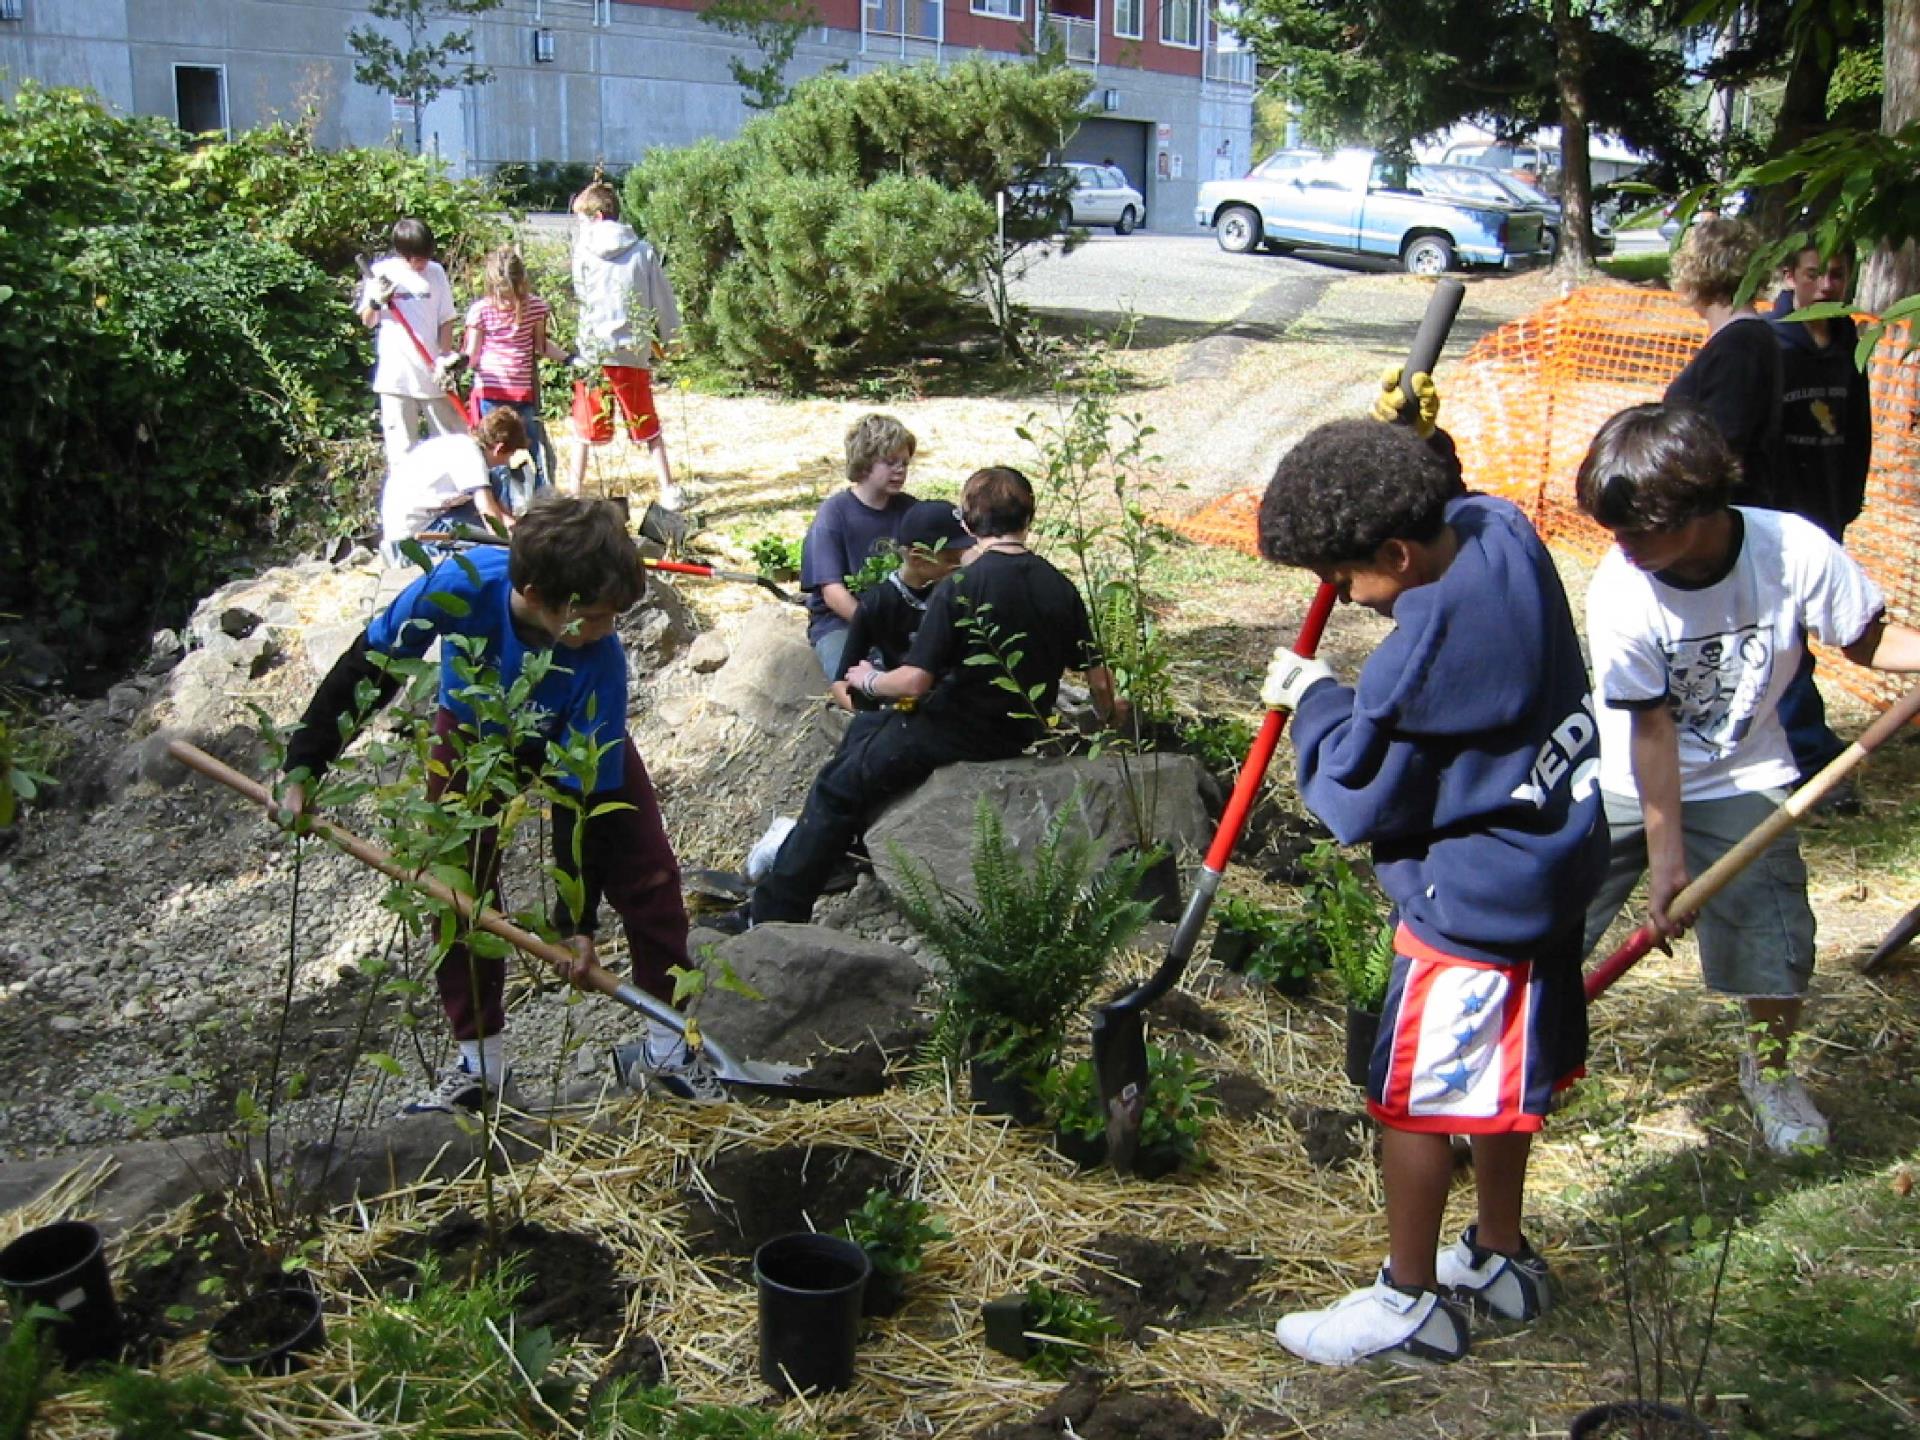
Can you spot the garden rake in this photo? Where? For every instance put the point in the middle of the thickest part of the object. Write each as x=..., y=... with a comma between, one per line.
x=775, y=1080
x=1119, y=1026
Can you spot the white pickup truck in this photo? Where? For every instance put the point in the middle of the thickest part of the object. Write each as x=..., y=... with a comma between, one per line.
x=1350, y=200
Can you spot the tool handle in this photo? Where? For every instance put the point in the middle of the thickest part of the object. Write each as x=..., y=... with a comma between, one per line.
x=1755, y=842
x=1442, y=306
x=596, y=977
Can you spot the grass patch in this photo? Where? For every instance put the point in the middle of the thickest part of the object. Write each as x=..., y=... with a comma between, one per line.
x=1638, y=269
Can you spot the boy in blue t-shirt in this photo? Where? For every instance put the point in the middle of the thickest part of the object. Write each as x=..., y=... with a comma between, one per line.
x=1466, y=754
x=848, y=527
x=569, y=573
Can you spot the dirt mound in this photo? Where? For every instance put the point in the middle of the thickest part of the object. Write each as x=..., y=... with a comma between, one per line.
x=1143, y=1283
x=1090, y=1411
x=1241, y=1096
x=753, y=1195
x=1179, y=1010
x=177, y=1286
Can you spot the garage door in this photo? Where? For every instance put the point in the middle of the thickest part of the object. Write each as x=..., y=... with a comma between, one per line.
x=1114, y=142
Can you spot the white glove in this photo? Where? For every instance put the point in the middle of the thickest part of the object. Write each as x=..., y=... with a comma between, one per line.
x=1289, y=677
x=581, y=362
x=447, y=368
x=379, y=290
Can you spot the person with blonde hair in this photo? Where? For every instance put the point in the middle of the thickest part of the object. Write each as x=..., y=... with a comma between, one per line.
x=506, y=336
x=1735, y=378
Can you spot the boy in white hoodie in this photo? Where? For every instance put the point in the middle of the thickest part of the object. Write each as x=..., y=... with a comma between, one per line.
x=626, y=310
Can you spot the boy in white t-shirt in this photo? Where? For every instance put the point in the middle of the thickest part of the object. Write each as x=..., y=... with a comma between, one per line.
x=1696, y=622
x=410, y=283
x=446, y=481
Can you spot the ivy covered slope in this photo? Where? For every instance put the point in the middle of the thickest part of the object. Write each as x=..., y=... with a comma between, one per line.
x=830, y=230
x=173, y=312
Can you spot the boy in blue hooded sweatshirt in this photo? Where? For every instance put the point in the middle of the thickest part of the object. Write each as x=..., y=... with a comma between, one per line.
x=1466, y=755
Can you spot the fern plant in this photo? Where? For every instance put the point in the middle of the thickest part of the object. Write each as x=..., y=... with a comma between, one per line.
x=1025, y=955
x=1354, y=921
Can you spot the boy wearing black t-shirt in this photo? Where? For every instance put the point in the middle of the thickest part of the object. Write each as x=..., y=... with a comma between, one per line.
x=1005, y=602
x=934, y=544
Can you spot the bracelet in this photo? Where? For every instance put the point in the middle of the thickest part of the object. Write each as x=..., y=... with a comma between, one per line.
x=866, y=686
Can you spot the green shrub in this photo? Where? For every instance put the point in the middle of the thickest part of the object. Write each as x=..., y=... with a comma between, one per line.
x=831, y=229
x=1353, y=919
x=546, y=184
x=187, y=368
x=141, y=1406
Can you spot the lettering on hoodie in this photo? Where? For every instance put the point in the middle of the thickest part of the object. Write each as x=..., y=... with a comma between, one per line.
x=1560, y=757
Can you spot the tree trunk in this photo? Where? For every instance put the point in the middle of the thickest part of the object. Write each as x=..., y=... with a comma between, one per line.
x=1891, y=274
x=1576, y=180
x=1803, y=115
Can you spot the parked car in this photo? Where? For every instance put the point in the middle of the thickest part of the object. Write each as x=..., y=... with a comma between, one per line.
x=1350, y=201
x=1538, y=164
x=1470, y=182
x=1078, y=194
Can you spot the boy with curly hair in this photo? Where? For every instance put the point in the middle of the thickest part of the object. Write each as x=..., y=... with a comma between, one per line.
x=1696, y=621
x=1465, y=754
x=850, y=527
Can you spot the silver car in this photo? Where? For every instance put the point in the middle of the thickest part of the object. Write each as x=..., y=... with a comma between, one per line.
x=1472, y=182
x=1088, y=195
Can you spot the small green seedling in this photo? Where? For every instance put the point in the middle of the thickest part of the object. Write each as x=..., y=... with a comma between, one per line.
x=894, y=1230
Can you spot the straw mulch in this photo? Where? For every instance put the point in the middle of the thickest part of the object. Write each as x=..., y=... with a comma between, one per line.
x=1016, y=1211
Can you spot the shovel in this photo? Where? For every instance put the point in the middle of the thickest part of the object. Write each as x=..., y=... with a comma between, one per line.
x=466, y=534
x=1898, y=938
x=1119, y=1026
x=1754, y=843
x=746, y=1074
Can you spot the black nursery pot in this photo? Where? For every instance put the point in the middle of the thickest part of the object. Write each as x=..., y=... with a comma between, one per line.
x=1231, y=947
x=811, y=1290
x=1289, y=984
x=270, y=1332
x=1006, y=1321
x=997, y=1088
x=885, y=1293
x=63, y=1266
x=1620, y=1417
x=1085, y=1151
x=1363, y=1028
x=1160, y=887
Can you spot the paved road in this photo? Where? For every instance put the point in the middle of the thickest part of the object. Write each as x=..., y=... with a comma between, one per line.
x=1175, y=283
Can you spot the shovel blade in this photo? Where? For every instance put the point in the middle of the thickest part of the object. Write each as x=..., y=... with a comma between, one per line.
x=1120, y=1068
x=630, y=1068
x=664, y=527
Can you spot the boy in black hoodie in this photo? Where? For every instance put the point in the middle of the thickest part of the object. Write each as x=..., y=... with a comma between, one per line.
x=1826, y=429
x=1466, y=755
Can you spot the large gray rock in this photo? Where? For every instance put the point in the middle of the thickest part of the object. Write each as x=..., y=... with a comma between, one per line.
x=824, y=990
x=771, y=678
x=934, y=824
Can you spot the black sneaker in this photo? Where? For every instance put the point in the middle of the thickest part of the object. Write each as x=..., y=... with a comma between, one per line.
x=736, y=921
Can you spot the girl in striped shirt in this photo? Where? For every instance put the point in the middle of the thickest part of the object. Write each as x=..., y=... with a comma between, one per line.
x=506, y=335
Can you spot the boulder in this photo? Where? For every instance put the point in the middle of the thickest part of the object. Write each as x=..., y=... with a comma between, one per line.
x=658, y=628
x=707, y=653
x=823, y=989
x=771, y=678
x=934, y=824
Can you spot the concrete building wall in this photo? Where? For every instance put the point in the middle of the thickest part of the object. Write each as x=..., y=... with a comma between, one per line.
x=624, y=77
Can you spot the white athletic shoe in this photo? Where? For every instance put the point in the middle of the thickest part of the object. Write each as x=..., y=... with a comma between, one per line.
x=458, y=1088
x=767, y=848
x=657, y=1063
x=1502, y=1287
x=1789, y=1120
x=1381, y=1321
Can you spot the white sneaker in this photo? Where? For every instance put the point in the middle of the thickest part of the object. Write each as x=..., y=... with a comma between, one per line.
x=672, y=497
x=767, y=848
x=1381, y=1321
x=1789, y=1120
x=458, y=1088
x=659, y=1064
x=1503, y=1287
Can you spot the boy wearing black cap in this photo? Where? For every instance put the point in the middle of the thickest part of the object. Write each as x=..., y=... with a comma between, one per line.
x=932, y=542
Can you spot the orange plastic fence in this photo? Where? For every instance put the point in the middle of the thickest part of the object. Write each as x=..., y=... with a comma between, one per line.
x=1528, y=399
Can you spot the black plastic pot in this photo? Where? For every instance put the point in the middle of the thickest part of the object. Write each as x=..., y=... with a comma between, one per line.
x=1085, y=1151
x=885, y=1292
x=63, y=1266
x=1160, y=887
x=1007, y=1321
x=1155, y=1164
x=1620, y=1418
x=1231, y=947
x=1290, y=984
x=811, y=1290
x=270, y=1332
x=1363, y=1028
x=998, y=1089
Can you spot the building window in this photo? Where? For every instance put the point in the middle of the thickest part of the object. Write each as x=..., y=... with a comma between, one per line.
x=200, y=98
x=1001, y=9
x=916, y=19
x=1129, y=19
x=1180, y=23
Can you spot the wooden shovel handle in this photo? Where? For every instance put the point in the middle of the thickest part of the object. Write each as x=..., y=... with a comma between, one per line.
x=1751, y=845
x=595, y=977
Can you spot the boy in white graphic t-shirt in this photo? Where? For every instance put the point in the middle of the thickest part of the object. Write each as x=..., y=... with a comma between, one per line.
x=1696, y=622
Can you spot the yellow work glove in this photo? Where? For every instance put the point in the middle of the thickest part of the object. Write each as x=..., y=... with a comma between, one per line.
x=1388, y=403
